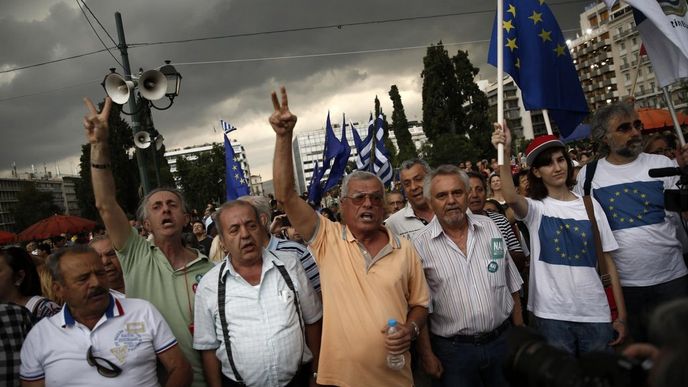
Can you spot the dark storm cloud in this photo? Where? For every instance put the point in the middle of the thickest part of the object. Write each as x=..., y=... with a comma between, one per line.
x=46, y=126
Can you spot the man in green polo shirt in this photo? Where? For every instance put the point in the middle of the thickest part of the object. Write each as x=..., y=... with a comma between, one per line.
x=163, y=272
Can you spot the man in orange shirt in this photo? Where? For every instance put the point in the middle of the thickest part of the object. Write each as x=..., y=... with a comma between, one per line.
x=368, y=274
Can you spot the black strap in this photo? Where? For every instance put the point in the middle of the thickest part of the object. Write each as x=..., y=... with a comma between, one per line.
x=223, y=321
x=221, y=302
x=589, y=174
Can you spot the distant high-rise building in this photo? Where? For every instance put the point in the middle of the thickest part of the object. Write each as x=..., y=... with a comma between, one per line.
x=192, y=152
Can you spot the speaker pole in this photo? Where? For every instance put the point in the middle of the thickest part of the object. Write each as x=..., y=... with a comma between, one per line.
x=133, y=103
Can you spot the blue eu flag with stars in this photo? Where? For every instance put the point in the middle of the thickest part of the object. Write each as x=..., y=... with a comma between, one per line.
x=635, y=204
x=537, y=58
x=566, y=242
x=235, y=181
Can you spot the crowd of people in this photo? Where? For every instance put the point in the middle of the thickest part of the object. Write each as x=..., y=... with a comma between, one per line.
x=274, y=291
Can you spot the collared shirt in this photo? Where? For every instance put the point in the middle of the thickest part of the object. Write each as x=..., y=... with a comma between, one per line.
x=303, y=254
x=15, y=323
x=471, y=292
x=405, y=223
x=358, y=298
x=131, y=333
x=149, y=275
x=267, y=342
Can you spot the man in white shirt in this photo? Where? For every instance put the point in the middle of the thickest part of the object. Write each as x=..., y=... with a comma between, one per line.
x=649, y=258
x=417, y=213
x=269, y=313
x=98, y=339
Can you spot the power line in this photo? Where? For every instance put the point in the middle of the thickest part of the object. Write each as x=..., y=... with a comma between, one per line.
x=338, y=26
x=50, y=91
x=99, y=23
x=96, y=32
x=331, y=26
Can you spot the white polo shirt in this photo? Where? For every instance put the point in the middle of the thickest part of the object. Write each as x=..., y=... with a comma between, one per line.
x=130, y=334
x=405, y=223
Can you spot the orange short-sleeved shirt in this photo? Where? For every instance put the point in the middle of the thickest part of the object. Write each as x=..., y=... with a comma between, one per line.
x=358, y=301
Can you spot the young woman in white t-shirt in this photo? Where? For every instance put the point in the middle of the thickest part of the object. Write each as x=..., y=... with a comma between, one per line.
x=566, y=295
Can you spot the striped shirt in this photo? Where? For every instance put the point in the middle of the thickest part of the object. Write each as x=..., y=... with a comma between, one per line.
x=303, y=254
x=512, y=243
x=471, y=294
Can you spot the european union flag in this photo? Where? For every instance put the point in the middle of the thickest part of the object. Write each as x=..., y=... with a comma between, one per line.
x=566, y=242
x=633, y=204
x=537, y=58
x=235, y=182
x=314, y=189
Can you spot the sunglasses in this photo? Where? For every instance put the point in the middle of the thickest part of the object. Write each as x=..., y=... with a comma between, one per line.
x=359, y=198
x=104, y=366
x=627, y=126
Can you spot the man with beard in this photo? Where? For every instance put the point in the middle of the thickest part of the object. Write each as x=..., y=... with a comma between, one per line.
x=408, y=221
x=162, y=271
x=649, y=258
x=474, y=287
x=98, y=339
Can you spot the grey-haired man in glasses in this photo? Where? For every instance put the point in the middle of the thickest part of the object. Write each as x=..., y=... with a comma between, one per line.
x=649, y=259
x=98, y=339
x=368, y=274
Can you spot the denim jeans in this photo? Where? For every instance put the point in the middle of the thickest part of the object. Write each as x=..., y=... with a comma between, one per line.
x=642, y=300
x=471, y=365
x=576, y=337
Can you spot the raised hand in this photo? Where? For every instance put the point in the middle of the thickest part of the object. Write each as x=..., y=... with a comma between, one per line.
x=96, y=124
x=501, y=135
x=282, y=120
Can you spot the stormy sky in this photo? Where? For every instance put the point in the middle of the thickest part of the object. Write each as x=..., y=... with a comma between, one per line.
x=331, y=55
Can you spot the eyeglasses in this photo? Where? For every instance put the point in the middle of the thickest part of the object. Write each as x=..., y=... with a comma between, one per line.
x=627, y=126
x=359, y=198
x=104, y=366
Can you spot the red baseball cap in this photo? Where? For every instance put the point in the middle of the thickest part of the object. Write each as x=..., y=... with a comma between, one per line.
x=539, y=144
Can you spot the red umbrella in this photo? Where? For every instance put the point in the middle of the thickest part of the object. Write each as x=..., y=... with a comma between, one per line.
x=654, y=119
x=56, y=225
x=7, y=237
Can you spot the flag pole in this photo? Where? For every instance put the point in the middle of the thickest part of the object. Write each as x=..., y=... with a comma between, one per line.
x=500, y=75
x=637, y=72
x=548, y=123
x=674, y=118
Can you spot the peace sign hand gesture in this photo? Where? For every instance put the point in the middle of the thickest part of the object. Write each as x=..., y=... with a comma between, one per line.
x=96, y=124
x=282, y=120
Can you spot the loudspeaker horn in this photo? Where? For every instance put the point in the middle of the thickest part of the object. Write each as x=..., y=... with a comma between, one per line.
x=142, y=139
x=159, y=141
x=117, y=88
x=152, y=85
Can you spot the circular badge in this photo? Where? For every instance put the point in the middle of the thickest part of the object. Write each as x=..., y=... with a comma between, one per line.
x=492, y=267
x=198, y=277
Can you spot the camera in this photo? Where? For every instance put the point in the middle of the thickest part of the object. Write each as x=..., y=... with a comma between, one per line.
x=531, y=362
x=674, y=199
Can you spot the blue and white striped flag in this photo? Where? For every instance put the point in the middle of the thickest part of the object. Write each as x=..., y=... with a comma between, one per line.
x=383, y=166
x=363, y=148
x=226, y=126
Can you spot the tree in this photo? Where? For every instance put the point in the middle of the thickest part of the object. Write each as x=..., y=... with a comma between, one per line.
x=455, y=111
x=33, y=205
x=124, y=169
x=400, y=126
x=389, y=145
x=203, y=180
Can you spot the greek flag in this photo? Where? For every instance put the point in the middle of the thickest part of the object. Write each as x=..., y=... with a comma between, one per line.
x=383, y=167
x=363, y=147
x=226, y=126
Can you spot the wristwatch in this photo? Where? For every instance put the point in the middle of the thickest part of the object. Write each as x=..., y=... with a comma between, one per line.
x=315, y=375
x=416, y=330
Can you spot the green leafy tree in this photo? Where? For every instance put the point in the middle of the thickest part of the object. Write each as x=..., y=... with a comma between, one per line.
x=33, y=205
x=124, y=169
x=455, y=111
x=400, y=126
x=389, y=145
x=203, y=179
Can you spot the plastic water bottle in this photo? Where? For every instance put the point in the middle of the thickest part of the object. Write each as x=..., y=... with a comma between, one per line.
x=394, y=361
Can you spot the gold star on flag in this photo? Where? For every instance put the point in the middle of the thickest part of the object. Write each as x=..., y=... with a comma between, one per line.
x=512, y=10
x=545, y=35
x=511, y=43
x=617, y=193
x=611, y=200
x=234, y=167
x=508, y=26
x=536, y=17
x=542, y=2
x=560, y=50
x=518, y=63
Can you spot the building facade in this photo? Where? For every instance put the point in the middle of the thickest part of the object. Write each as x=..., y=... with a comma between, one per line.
x=191, y=153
